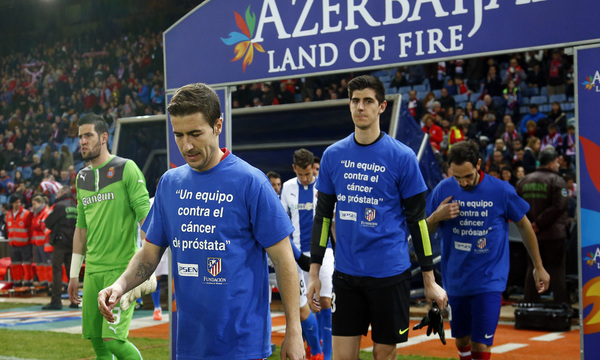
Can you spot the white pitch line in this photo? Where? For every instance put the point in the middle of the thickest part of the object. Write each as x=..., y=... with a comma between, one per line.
x=411, y=341
x=549, y=337
x=501, y=349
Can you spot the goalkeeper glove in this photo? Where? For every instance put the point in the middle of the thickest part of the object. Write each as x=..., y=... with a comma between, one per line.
x=434, y=322
x=147, y=287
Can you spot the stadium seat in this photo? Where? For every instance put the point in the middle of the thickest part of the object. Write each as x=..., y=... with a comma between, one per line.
x=461, y=98
x=545, y=108
x=558, y=98
x=421, y=88
x=525, y=100
x=3, y=199
x=479, y=104
x=530, y=91
x=524, y=110
x=391, y=90
x=568, y=106
x=474, y=97
x=79, y=165
x=437, y=93
x=404, y=89
x=499, y=101
x=539, y=99
x=544, y=90
x=421, y=94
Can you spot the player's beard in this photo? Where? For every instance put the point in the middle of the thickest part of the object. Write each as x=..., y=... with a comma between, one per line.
x=93, y=153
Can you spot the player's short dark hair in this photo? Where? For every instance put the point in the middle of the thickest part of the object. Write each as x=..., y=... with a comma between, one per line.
x=464, y=151
x=100, y=125
x=273, y=175
x=303, y=158
x=196, y=98
x=547, y=156
x=317, y=160
x=367, y=82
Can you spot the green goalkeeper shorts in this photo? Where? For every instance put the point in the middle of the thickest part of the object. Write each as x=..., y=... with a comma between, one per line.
x=94, y=325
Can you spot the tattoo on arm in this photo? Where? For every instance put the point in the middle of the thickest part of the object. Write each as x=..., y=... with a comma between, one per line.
x=144, y=270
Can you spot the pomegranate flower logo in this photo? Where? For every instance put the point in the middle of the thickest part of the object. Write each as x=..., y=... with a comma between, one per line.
x=244, y=47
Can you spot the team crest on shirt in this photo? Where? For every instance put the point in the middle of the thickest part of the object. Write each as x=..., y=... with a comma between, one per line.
x=213, y=265
x=370, y=214
x=111, y=172
x=481, y=243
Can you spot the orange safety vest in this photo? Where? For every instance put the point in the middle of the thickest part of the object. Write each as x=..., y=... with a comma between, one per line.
x=39, y=233
x=18, y=226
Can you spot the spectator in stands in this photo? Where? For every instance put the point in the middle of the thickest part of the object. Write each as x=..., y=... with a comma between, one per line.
x=457, y=131
x=446, y=100
x=534, y=115
x=512, y=99
x=66, y=158
x=47, y=159
x=558, y=117
x=532, y=130
x=37, y=176
x=415, y=106
x=497, y=160
x=18, y=177
x=536, y=77
x=569, y=140
x=428, y=101
x=6, y=184
x=510, y=135
x=268, y=96
x=12, y=157
x=531, y=153
x=489, y=126
x=488, y=105
x=461, y=86
x=553, y=138
x=73, y=130
x=506, y=174
x=564, y=166
x=436, y=135
x=416, y=74
x=399, y=80
x=556, y=74
x=284, y=96
x=492, y=84
x=515, y=73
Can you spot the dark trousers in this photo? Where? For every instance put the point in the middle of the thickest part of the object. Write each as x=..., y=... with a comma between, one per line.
x=60, y=256
x=553, y=255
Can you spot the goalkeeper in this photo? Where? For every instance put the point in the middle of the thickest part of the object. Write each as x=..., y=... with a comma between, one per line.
x=112, y=198
x=472, y=210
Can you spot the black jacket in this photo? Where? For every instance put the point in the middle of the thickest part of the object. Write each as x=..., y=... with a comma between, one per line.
x=61, y=222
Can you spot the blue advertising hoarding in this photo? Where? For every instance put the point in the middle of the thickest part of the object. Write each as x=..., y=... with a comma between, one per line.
x=240, y=41
x=588, y=95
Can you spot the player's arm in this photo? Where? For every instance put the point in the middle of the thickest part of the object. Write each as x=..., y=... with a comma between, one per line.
x=414, y=209
x=318, y=245
x=140, y=267
x=287, y=280
x=79, y=250
x=542, y=279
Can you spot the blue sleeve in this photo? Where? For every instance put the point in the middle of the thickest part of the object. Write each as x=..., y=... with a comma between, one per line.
x=154, y=225
x=324, y=183
x=516, y=207
x=270, y=222
x=411, y=181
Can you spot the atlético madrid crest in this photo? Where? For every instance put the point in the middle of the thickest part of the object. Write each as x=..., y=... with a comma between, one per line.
x=213, y=265
x=481, y=243
x=370, y=214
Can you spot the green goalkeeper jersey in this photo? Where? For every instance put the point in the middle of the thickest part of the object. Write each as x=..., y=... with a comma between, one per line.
x=111, y=200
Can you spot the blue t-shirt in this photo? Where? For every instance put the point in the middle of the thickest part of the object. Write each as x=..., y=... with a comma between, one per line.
x=369, y=183
x=475, y=251
x=217, y=224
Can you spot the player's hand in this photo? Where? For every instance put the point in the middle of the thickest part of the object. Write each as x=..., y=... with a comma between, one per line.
x=542, y=279
x=434, y=322
x=314, y=291
x=107, y=299
x=292, y=346
x=73, y=291
x=434, y=292
x=447, y=210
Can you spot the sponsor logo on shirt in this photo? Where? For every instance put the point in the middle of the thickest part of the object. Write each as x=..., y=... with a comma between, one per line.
x=213, y=265
x=111, y=172
x=87, y=200
x=462, y=246
x=188, y=270
x=302, y=206
x=481, y=243
x=348, y=215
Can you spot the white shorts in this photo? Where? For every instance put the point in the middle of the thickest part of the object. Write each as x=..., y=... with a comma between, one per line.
x=325, y=275
x=303, y=286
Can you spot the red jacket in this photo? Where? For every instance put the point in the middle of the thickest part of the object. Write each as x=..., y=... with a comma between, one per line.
x=39, y=233
x=18, y=227
x=436, y=135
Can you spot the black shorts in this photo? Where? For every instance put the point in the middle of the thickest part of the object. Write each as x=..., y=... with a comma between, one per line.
x=383, y=303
